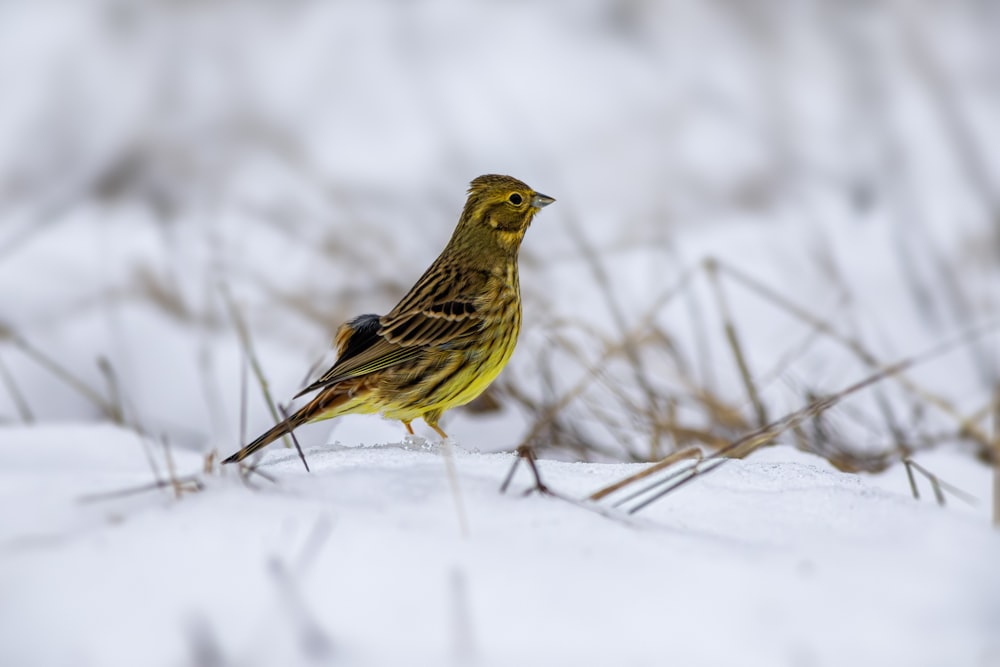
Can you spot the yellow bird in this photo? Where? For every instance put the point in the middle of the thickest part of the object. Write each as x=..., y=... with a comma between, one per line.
x=447, y=339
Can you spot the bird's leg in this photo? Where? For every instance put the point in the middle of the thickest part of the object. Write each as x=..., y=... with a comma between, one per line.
x=412, y=439
x=431, y=419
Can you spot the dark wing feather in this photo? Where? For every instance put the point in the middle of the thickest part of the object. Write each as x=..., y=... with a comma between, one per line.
x=438, y=313
x=357, y=336
x=360, y=351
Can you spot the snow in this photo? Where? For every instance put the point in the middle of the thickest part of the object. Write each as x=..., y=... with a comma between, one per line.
x=777, y=559
x=310, y=159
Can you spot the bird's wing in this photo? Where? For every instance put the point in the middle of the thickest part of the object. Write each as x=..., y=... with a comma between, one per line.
x=360, y=350
x=439, y=325
x=436, y=314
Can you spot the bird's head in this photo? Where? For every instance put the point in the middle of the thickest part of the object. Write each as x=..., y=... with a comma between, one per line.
x=499, y=211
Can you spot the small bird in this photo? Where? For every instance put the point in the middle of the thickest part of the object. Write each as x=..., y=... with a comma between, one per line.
x=447, y=339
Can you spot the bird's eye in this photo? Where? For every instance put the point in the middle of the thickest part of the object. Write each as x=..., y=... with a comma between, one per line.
x=515, y=199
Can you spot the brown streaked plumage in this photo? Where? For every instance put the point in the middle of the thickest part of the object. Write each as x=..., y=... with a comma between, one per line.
x=447, y=339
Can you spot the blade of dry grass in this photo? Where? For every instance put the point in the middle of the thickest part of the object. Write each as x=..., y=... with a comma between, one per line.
x=451, y=470
x=20, y=403
x=938, y=485
x=243, y=333
x=115, y=400
x=168, y=455
x=996, y=456
x=298, y=448
x=669, y=460
x=244, y=383
x=965, y=424
x=733, y=339
x=629, y=347
x=752, y=441
x=913, y=482
x=629, y=413
x=186, y=484
x=65, y=375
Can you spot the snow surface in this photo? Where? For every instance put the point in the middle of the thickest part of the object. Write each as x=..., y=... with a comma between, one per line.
x=775, y=560
x=311, y=158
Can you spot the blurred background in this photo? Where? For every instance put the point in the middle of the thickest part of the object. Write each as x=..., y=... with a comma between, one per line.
x=171, y=167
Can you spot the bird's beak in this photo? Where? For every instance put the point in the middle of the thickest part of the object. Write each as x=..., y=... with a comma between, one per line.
x=540, y=200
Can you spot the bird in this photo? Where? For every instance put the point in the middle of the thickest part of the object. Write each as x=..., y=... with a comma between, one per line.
x=447, y=339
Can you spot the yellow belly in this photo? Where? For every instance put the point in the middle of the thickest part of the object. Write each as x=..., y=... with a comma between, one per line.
x=468, y=375
x=481, y=380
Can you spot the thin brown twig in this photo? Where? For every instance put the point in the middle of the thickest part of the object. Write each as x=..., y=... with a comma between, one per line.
x=752, y=441
x=996, y=455
x=186, y=483
x=618, y=317
x=907, y=465
x=712, y=268
x=544, y=490
x=939, y=486
x=302, y=457
x=171, y=468
x=670, y=459
x=115, y=400
x=966, y=425
x=62, y=373
x=243, y=333
x=247, y=470
x=547, y=415
x=23, y=410
x=243, y=401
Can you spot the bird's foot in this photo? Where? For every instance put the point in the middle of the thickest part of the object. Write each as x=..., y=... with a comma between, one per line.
x=419, y=443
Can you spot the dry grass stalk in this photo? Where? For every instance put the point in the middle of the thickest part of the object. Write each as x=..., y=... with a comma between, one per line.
x=910, y=478
x=632, y=413
x=938, y=485
x=116, y=400
x=732, y=338
x=629, y=348
x=178, y=485
x=243, y=333
x=243, y=401
x=527, y=453
x=966, y=426
x=565, y=418
x=187, y=484
x=451, y=470
x=547, y=413
x=163, y=292
x=747, y=444
x=171, y=468
x=20, y=403
x=65, y=375
x=669, y=460
x=208, y=464
x=996, y=455
x=295, y=440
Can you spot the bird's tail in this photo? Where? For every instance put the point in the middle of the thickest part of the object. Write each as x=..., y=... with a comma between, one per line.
x=318, y=408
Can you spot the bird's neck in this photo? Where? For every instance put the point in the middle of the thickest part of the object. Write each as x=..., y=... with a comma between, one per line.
x=483, y=248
